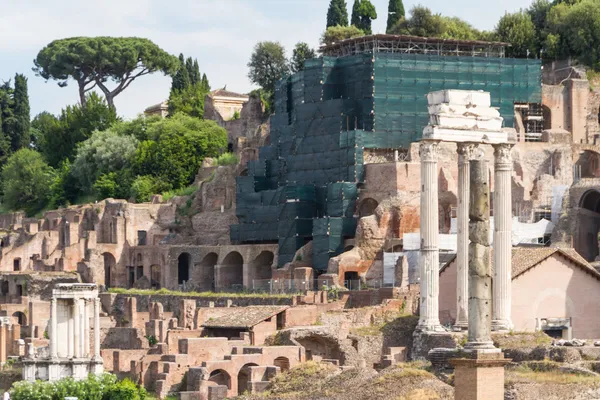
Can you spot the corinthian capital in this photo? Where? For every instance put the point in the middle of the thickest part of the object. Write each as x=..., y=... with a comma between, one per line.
x=502, y=153
x=465, y=152
x=428, y=151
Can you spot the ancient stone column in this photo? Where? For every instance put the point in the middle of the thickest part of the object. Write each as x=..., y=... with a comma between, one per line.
x=429, y=260
x=480, y=279
x=80, y=317
x=86, y=329
x=71, y=333
x=501, y=318
x=96, y=328
x=54, y=328
x=465, y=151
x=76, y=329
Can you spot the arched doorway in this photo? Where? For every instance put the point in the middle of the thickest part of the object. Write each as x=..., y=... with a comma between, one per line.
x=244, y=378
x=588, y=225
x=260, y=270
x=203, y=274
x=183, y=268
x=231, y=272
x=220, y=377
x=587, y=165
x=367, y=207
x=20, y=318
x=109, y=265
x=283, y=363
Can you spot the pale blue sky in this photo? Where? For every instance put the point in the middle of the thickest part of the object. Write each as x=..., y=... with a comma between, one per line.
x=219, y=33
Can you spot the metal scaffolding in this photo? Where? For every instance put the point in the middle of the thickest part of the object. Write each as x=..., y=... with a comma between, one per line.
x=413, y=45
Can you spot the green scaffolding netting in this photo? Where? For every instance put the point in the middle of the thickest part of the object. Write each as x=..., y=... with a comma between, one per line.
x=303, y=186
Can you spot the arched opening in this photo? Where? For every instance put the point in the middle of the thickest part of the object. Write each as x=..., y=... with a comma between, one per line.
x=260, y=270
x=587, y=237
x=367, y=207
x=231, y=272
x=220, y=377
x=204, y=272
x=4, y=288
x=140, y=259
x=244, y=378
x=109, y=265
x=282, y=362
x=547, y=116
x=155, y=276
x=183, y=268
x=322, y=348
x=44, y=249
x=587, y=165
x=20, y=318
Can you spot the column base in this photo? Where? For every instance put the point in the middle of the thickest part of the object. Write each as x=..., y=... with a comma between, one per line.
x=477, y=348
x=479, y=378
x=424, y=341
x=501, y=325
x=430, y=328
x=460, y=326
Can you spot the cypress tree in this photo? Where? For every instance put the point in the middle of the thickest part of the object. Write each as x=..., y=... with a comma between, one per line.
x=181, y=80
x=395, y=14
x=355, y=20
x=197, y=76
x=205, y=83
x=20, y=128
x=337, y=14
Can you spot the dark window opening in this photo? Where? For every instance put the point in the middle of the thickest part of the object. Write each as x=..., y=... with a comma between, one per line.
x=131, y=280
x=183, y=268
x=140, y=272
x=17, y=264
x=554, y=333
x=142, y=238
x=280, y=320
x=19, y=290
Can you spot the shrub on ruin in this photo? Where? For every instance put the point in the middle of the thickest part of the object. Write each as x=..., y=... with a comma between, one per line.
x=227, y=159
x=144, y=187
x=103, y=387
x=337, y=33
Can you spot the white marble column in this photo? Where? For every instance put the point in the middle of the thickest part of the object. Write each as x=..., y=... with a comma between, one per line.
x=71, y=334
x=502, y=291
x=86, y=329
x=465, y=151
x=97, y=328
x=54, y=329
x=76, y=329
x=80, y=309
x=429, y=260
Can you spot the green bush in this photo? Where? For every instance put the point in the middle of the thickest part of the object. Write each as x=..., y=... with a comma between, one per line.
x=227, y=159
x=143, y=187
x=186, y=191
x=236, y=115
x=103, y=387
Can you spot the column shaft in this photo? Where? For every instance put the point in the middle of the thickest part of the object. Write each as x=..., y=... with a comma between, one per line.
x=97, y=328
x=76, y=331
x=429, y=260
x=501, y=315
x=480, y=279
x=71, y=334
x=54, y=329
x=86, y=329
x=81, y=328
x=462, y=253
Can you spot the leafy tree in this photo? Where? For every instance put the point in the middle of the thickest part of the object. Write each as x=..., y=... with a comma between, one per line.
x=355, y=18
x=302, y=52
x=104, y=152
x=395, y=14
x=538, y=10
x=175, y=147
x=64, y=189
x=93, y=61
x=422, y=22
x=518, y=30
x=267, y=65
x=75, y=125
x=26, y=181
x=43, y=122
x=337, y=14
x=366, y=14
x=19, y=132
x=337, y=33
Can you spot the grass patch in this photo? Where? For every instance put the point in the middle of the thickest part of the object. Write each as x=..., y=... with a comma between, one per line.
x=149, y=292
x=186, y=191
x=390, y=322
x=302, y=379
x=525, y=374
x=520, y=340
x=227, y=159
